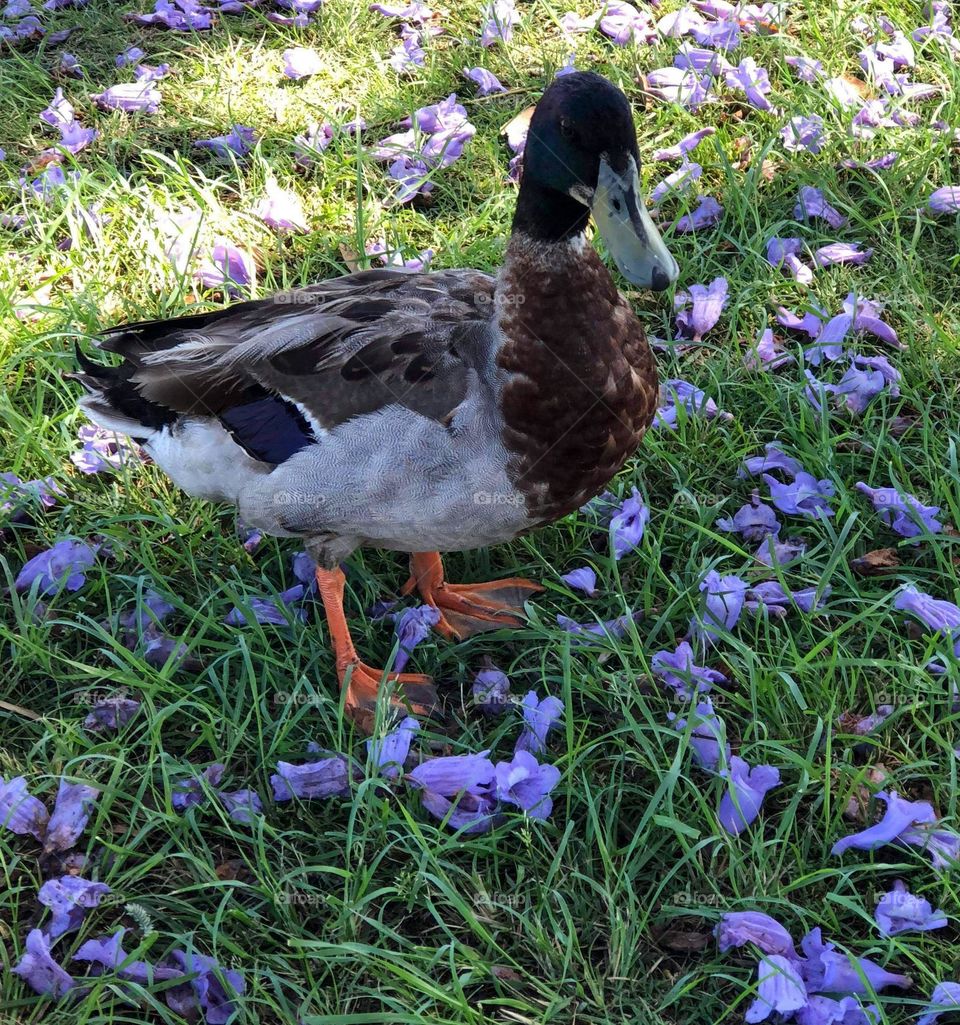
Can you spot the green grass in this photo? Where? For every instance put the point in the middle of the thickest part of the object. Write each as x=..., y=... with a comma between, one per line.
x=367, y=911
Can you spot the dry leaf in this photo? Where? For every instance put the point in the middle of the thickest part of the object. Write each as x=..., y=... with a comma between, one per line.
x=876, y=563
x=501, y=971
x=683, y=940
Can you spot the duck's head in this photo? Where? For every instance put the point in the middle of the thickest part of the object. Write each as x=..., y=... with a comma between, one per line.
x=581, y=158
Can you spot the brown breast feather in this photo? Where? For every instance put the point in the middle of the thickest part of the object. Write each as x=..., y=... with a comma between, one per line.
x=583, y=383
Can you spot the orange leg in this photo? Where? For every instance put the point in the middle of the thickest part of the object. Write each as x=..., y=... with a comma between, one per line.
x=415, y=693
x=467, y=609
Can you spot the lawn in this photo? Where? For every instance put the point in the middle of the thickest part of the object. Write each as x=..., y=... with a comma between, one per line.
x=362, y=906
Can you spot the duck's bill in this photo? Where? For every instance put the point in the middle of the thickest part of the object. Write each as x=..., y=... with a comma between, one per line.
x=631, y=236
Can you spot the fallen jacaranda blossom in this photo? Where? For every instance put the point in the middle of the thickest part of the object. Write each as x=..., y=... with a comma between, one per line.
x=943, y=845
x=724, y=602
x=767, y=353
x=106, y=954
x=281, y=209
x=111, y=713
x=684, y=87
x=803, y=133
x=769, y=596
x=301, y=62
x=237, y=142
x=676, y=394
x=804, y=496
x=624, y=24
x=63, y=565
x=460, y=789
x=583, y=632
x=491, y=690
x=527, y=784
x=707, y=213
x=17, y=496
x=865, y=379
x=327, y=777
x=540, y=716
x=780, y=989
x=270, y=611
x=747, y=789
x=414, y=11
x=938, y=615
x=807, y=69
x=678, y=182
x=241, y=805
x=627, y=524
x=102, y=450
x=179, y=15
x=686, y=145
x=774, y=552
x=71, y=811
x=412, y=626
x=408, y=53
x=190, y=792
x=752, y=521
x=38, y=969
x=828, y=971
x=707, y=735
x=212, y=988
x=699, y=308
x=584, y=578
x=485, y=81
x=753, y=81
x=900, y=814
x=129, y=96
x=227, y=267
x=314, y=140
x=945, y=998
x=901, y=911
x=772, y=459
x=945, y=200
x=678, y=670
x=784, y=252
x=20, y=812
x=902, y=512
x=69, y=898
x=738, y=928
x=500, y=17
x=812, y=203
x=390, y=752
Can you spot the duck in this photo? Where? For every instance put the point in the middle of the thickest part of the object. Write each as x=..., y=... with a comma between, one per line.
x=423, y=412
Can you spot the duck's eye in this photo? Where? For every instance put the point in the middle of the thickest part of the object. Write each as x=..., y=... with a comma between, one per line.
x=566, y=128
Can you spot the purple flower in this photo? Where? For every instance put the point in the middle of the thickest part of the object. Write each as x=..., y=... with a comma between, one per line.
x=500, y=18
x=69, y=65
x=675, y=85
x=877, y=164
x=16, y=496
x=71, y=810
x=390, y=752
x=826, y=971
x=901, y=911
x=281, y=209
x=685, y=146
x=897, y=818
x=624, y=24
x=540, y=716
x=748, y=787
x=414, y=11
x=706, y=303
x=811, y=323
x=468, y=779
x=842, y=92
x=803, y=133
x=679, y=671
x=782, y=252
x=868, y=723
x=677, y=182
x=772, y=459
x=704, y=62
x=866, y=378
x=68, y=898
x=214, y=999
x=102, y=450
x=408, y=53
x=723, y=605
x=61, y=566
x=313, y=141
x=38, y=969
x=270, y=611
x=842, y=252
x=946, y=998
x=527, y=784
x=680, y=23
x=866, y=317
x=327, y=777
x=707, y=736
x=753, y=81
x=573, y=25
x=939, y=616
x=898, y=50
x=110, y=714
x=585, y=632
x=301, y=62
x=107, y=953
x=752, y=521
x=942, y=845
x=149, y=73
x=59, y=113
x=129, y=96
x=179, y=15
x=190, y=791
x=773, y=552
x=19, y=811
x=74, y=137
x=738, y=928
x=945, y=200
x=491, y=690
x=486, y=81
x=241, y=805
x=767, y=353
x=227, y=267
x=567, y=68
x=707, y=213
x=807, y=69
x=131, y=55
x=780, y=989
x=901, y=511
x=769, y=596
x=412, y=626
x=628, y=524
x=237, y=142
x=584, y=579
x=812, y=203
x=805, y=496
